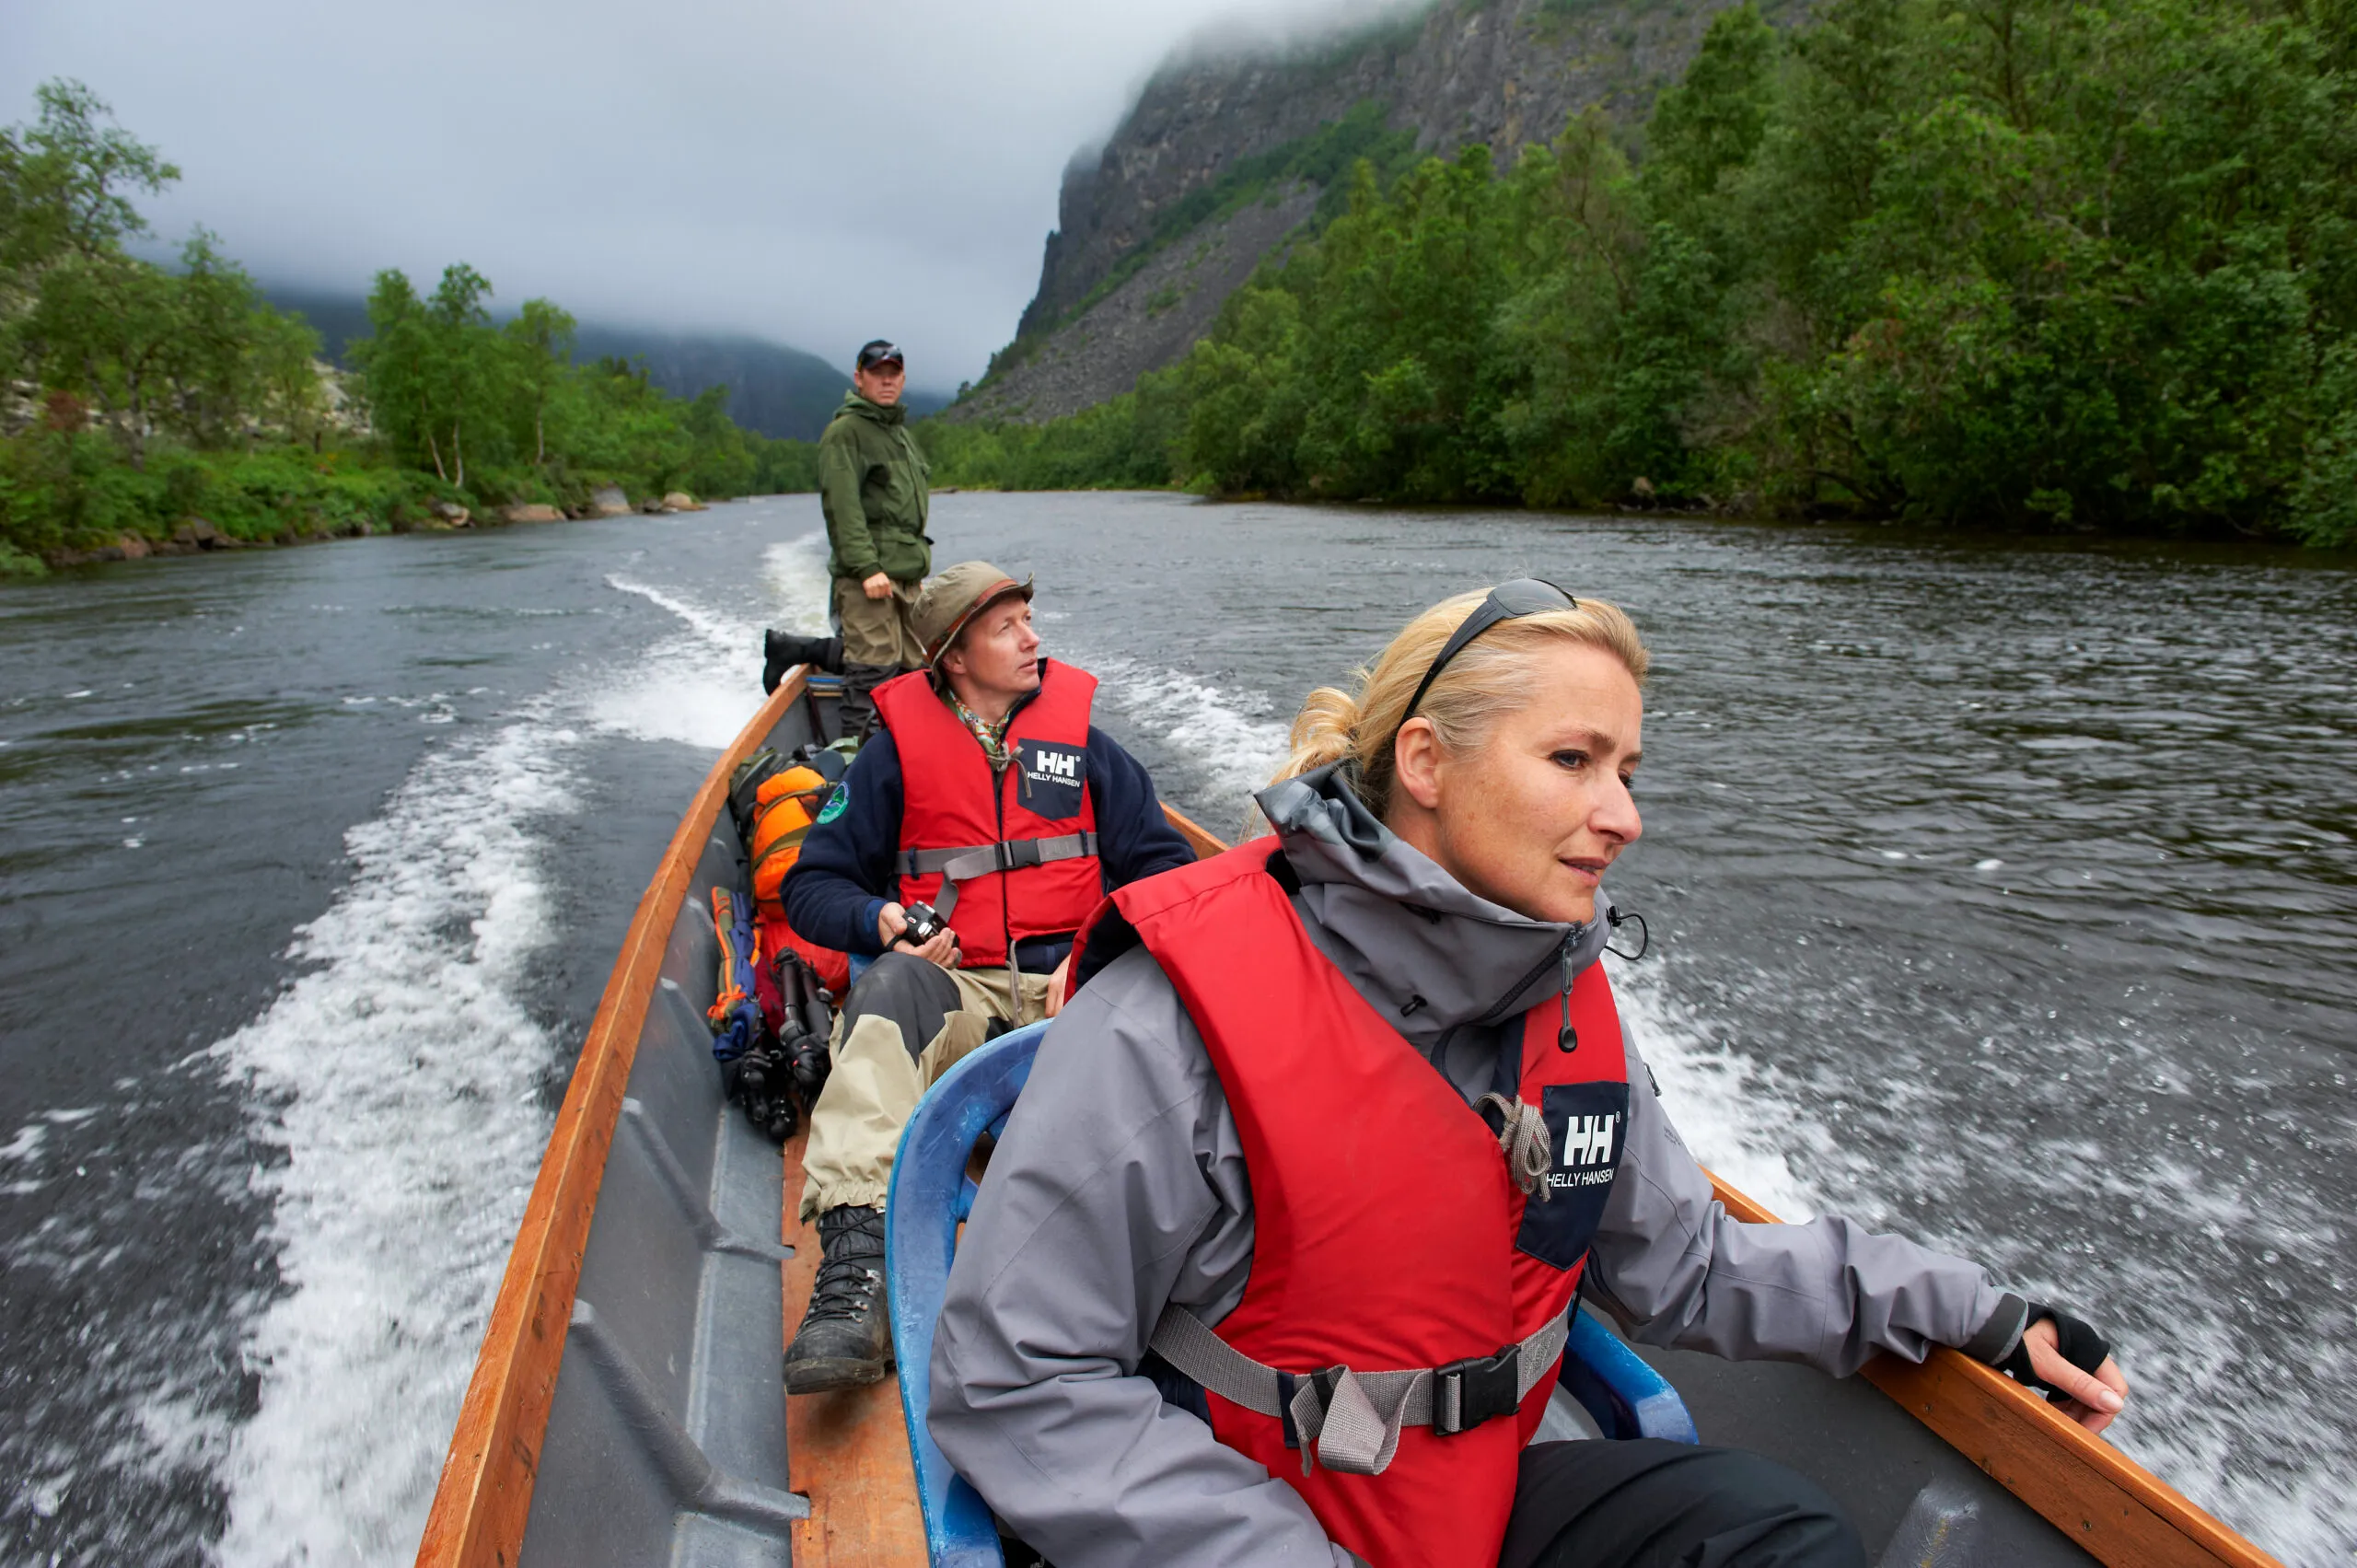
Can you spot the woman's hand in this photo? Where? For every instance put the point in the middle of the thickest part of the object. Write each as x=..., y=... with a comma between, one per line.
x=1056, y=987
x=2092, y=1400
x=891, y=927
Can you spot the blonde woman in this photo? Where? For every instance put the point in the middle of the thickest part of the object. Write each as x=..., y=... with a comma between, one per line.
x=1273, y=1263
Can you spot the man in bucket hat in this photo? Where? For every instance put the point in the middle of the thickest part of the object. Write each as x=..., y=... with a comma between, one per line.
x=873, y=489
x=988, y=798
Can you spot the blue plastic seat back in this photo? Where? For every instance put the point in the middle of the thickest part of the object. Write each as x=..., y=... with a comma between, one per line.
x=1625, y=1397
x=932, y=1195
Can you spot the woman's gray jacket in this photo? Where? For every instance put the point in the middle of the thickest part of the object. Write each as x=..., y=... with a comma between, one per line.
x=1119, y=1187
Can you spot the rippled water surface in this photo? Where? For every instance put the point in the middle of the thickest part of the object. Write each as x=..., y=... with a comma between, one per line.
x=2002, y=895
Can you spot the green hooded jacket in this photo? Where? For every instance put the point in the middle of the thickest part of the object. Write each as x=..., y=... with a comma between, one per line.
x=872, y=485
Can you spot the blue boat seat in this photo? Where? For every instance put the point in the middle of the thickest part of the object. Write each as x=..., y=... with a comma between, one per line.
x=932, y=1195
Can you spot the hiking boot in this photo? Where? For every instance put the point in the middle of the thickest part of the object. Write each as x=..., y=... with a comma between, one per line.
x=783, y=650
x=844, y=1341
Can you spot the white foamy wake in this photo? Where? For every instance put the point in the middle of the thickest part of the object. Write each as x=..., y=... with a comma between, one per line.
x=400, y=1080
x=698, y=686
x=795, y=573
x=702, y=683
x=1212, y=746
x=1724, y=1104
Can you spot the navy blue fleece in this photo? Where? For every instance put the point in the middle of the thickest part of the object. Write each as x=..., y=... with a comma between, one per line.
x=844, y=875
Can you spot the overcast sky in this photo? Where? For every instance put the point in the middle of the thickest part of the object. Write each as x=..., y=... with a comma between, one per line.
x=814, y=174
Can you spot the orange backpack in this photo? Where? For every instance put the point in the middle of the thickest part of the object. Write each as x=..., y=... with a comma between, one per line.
x=787, y=804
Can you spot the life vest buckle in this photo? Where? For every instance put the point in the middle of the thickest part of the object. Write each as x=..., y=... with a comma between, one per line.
x=1467, y=1393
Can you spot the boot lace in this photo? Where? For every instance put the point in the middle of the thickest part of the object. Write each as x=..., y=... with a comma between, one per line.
x=849, y=1272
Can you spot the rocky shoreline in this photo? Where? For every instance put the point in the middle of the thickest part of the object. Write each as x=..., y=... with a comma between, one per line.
x=196, y=536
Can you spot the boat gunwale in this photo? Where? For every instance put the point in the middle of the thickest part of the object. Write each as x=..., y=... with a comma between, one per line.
x=2113, y=1508
x=483, y=1499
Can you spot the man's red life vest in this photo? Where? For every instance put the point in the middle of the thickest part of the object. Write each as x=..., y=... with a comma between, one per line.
x=1388, y=1233
x=1003, y=858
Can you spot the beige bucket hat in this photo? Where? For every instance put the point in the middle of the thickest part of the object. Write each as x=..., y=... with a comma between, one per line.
x=955, y=597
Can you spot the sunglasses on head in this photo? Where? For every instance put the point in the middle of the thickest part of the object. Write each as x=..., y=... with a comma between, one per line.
x=1507, y=602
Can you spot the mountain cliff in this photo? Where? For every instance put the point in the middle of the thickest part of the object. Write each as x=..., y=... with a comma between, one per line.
x=1230, y=151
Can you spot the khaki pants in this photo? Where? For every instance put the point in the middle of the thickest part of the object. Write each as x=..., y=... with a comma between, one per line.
x=876, y=1084
x=880, y=632
x=879, y=642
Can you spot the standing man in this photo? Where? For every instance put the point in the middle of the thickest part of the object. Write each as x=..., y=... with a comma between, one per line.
x=989, y=796
x=872, y=486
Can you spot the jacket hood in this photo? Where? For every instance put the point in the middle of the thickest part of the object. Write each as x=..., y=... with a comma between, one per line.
x=1431, y=955
x=881, y=413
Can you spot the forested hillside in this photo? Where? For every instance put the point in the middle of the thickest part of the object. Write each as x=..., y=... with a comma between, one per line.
x=145, y=407
x=2031, y=263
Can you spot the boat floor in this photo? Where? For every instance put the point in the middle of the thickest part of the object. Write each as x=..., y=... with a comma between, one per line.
x=848, y=1452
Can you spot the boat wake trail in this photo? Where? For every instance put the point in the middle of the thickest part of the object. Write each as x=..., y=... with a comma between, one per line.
x=698, y=686
x=398, y=1082
x=1208, y=747
x=1722, y=1102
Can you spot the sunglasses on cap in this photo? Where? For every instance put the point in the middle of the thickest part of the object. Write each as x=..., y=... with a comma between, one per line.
x=875, y=353
x=1507, y=602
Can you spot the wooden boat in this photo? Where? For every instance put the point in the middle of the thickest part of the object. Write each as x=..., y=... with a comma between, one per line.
x=627, y=1408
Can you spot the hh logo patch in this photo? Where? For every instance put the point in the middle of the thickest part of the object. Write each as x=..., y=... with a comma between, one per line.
x=1585, y=1126
x=1052, y=776
x=835, y=804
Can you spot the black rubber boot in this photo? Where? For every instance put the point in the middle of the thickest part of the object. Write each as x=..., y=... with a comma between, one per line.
x=860, y=681
x=783, y=650
x=844, y=1341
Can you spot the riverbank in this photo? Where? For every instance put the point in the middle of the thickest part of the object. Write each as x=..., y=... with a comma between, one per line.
x=197, y=536
x=70, y=505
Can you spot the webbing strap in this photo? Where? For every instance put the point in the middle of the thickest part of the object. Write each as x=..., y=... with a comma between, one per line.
x=1350, y=1421
x=967, y=861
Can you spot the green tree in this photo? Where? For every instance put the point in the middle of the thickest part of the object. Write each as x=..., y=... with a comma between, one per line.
x=66, y=180
x=463, y=368
x=541, y=337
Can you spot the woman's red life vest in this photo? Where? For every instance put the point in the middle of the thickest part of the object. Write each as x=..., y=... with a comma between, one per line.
x=1038, y=818
x=1388, y=1233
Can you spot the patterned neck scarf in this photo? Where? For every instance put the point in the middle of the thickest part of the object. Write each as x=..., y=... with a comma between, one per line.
x=992, y=735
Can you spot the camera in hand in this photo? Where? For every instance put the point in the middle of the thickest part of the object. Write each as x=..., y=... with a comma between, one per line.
x=924, y=925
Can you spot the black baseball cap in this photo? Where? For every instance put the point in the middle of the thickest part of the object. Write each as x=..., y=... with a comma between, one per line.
x=879, y=350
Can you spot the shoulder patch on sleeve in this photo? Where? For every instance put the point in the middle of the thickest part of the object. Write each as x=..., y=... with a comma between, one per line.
x=836, y=805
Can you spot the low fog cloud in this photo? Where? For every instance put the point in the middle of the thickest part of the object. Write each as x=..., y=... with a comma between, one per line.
x=812, y=174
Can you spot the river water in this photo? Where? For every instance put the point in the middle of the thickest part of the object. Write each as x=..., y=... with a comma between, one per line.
x=2002, y=894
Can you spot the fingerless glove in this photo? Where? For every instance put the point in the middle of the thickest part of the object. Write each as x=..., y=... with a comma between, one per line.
x=2078, y=1344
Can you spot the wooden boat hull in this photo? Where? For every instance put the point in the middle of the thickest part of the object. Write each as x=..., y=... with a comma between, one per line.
x=627, y=1406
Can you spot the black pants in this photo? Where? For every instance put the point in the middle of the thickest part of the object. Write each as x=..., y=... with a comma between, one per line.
x=1646, y=1504
x=915, y=994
